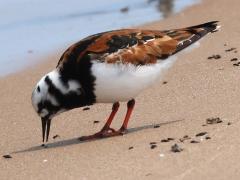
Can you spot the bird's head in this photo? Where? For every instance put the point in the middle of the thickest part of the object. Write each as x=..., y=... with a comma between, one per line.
x=54, y=94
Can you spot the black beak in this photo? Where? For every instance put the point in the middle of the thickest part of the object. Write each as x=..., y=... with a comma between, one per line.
x=46, y=123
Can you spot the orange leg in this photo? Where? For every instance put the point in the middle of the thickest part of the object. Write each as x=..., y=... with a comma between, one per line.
x=112, y=115
x=106, y=131
x=130, y=106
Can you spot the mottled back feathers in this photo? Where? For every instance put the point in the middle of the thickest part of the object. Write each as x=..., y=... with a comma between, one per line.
x=135, y=46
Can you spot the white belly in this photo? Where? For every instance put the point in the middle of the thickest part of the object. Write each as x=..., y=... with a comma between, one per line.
x=122, y=82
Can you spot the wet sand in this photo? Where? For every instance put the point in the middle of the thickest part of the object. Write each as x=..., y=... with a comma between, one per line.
x=196, y=88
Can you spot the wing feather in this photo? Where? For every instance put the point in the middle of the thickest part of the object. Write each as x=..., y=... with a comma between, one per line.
x=136, y=46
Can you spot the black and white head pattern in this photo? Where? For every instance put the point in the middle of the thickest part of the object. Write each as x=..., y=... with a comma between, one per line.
x=53, y=94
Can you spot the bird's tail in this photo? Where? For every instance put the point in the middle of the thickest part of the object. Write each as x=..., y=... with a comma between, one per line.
x=208, y=27
x=189, y=35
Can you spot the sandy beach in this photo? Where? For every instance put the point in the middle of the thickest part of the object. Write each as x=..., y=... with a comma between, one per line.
x=196, y=88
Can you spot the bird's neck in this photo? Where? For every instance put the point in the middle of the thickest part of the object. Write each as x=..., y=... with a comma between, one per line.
x=68, y=92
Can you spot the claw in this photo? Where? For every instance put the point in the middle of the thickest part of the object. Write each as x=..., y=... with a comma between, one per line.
x=110, y=132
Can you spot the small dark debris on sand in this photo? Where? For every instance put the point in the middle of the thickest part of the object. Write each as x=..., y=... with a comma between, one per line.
x=131, y=147
x=44, y=145
x=151, y=143
x=213, y=120
x=216, y=56
x=95, y=122
x=234, y=59
x=156, y=126
x=236, y=64
x=176, y=148
x=7, y=156
x=225, y=44
x=167, y=140
x=235, y=51
x=56, y=136
x=164, y=140
x=164, y=82
x=184, y=138
x=153, y=146
x=229, y=123
x=194, y=141
x=86, y=108
x=124, y=9
x=201, y=134
x=207, y=137
x=231, y=49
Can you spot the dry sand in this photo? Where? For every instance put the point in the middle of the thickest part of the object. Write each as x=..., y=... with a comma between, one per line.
x=197, y=89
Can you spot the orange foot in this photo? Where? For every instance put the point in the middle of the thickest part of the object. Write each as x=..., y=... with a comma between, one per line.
x=105, y=133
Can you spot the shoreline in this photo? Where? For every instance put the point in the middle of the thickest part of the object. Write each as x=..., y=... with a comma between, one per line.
x=196, y=89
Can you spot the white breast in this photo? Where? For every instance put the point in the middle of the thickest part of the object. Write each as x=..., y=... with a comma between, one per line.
x=122, y=82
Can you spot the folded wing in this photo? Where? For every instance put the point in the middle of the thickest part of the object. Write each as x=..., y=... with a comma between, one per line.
x=136, y=46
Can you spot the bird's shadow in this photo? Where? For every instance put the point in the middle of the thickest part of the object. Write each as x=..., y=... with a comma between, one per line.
x=74, y=141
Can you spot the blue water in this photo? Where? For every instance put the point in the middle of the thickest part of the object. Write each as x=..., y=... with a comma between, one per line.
x=30, y=29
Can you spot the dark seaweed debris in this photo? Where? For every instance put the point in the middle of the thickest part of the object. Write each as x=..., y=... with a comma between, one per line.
x=95, y=122
x=213, y=120
x=236, y=64
x=56, y=136
x=186, y=137
x=234, y=59
x=86, y=108
x=207, y=137
x=156, y=126
x=201, y=134
x=44, y=145
x=231, y=49
x=131, y=147
x=151, y=143
x=7, y=156
x=164, y=140
x=176, y=148
x=194, y=141
x=216, y=56
x=167, y=140
x=153, y=146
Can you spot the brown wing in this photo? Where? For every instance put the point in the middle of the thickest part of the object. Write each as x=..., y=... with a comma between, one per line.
x=135, y=46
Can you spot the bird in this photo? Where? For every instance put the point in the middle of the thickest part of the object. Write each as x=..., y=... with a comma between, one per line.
x=110, y=67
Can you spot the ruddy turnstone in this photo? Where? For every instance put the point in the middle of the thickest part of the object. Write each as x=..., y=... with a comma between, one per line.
x=110, y=67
